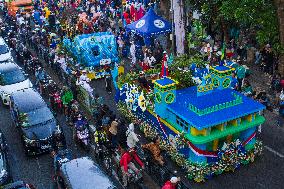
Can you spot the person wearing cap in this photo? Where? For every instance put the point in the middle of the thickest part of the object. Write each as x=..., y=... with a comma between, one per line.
x=171, y=184
x=83, y=77
x=126, y=163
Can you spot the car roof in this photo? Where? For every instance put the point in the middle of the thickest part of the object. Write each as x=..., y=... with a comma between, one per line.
x=85, y=173
x=17, y=184
x=27, y=100
x=8, y=66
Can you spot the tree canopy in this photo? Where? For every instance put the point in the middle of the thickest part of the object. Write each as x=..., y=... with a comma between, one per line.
x=259, y=15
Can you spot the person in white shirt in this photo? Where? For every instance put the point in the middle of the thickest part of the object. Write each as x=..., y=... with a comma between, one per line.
x=132, y=138
x=132, y=52
x=151, y=60
x=83, y=77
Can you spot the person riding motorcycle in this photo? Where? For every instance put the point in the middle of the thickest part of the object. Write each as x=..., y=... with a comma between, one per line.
x=126, y=162
x=100, y=136
x=102, y=144
x=74, y=111
x=154, y=148
x=40, y=78
x=81, y=129
x=67, y=98
x=54, y=97
x=171, y=184
x=58, y=143
x=27, y=55
x=80, y=123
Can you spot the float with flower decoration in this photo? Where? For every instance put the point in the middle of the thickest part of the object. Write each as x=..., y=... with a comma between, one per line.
x=206, y=129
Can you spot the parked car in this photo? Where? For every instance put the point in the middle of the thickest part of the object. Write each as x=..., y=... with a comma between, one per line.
x=83, y=173
x=36, y=122
x=18, y=185
x=12, y=79
x=4, y=166
x=5, y=53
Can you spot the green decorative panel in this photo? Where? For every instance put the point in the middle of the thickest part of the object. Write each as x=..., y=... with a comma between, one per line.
x=226, y=83
x=216, y=82
x=158, y=97
x=170, y=97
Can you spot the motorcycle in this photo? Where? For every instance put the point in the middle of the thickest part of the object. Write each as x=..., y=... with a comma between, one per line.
x=43, y=85
x=55, y=101
x=135, y=180
x=82, y=132
x=61, y=157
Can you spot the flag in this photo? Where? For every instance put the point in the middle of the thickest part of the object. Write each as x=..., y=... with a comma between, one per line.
x=223, y=51
x=164, y=70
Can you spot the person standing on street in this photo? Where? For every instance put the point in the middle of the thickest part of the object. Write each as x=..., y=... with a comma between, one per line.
x=171, y=184
x=108, y=81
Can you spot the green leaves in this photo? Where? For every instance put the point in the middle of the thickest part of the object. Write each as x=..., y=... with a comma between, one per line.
x=258, y=15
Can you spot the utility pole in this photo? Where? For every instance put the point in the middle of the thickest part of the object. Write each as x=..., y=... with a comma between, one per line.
x=179, y=26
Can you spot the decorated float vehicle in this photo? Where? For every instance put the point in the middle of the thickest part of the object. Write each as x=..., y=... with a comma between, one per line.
x=94, y=52
x=206, y=129
x=15, y=5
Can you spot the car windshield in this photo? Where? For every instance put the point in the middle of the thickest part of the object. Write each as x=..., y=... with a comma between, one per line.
x=3, y=49
x=39, y=117
x=11, y=77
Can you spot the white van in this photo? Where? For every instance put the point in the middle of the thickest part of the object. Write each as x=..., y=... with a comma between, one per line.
x=12, y=79
x=5, y=54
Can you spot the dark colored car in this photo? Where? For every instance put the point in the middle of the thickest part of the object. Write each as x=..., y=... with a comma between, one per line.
x=83, y=173
x=4, y=166
x=18, y=185
x=35, y=120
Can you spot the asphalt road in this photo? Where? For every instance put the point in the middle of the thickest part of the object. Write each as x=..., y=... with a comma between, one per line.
x=266, y=172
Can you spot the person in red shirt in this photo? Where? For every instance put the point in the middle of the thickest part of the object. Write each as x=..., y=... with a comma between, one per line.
x=282, y=82
x=126, y=163
x=171, y=184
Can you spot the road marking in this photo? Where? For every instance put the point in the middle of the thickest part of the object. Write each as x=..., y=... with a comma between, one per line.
x=274, y=152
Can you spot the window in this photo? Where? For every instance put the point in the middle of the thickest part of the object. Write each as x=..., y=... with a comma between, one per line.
x=182, y=123
x=3, y=49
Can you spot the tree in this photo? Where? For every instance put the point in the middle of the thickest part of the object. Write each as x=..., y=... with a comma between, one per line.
x=265, y=17
x=280, y=15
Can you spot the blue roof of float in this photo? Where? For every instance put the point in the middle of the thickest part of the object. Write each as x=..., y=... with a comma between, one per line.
x=222, y=68
x=165, y=81
x=187, y=96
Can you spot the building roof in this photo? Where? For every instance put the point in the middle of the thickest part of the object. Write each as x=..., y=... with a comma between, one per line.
x=187, y=96
x=205, y=101
x=165, y=82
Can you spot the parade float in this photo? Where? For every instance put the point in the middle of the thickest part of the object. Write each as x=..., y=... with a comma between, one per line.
x=93, y=52
x=206, y=129
x=14, y=5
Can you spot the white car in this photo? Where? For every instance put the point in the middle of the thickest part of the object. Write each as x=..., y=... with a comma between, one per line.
x=11, y=79
x=5, y=54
